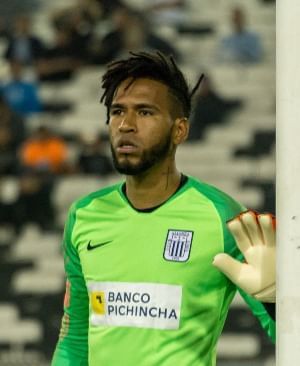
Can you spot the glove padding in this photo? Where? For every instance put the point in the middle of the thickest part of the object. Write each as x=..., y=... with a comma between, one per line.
x=255, y=237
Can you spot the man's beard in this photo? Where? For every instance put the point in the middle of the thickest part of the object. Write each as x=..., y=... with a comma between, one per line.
x=147, y=160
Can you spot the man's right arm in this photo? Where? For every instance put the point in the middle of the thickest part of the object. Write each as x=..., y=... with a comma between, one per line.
x=72, y=346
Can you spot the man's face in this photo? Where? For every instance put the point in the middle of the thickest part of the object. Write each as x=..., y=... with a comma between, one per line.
x=140, y=126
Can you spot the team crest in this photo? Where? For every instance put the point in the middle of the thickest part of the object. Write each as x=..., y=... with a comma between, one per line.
x=178, y=245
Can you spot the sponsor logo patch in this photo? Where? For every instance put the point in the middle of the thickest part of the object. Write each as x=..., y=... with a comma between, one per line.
x=140, y=305
x=178, y=245
x=98, y=302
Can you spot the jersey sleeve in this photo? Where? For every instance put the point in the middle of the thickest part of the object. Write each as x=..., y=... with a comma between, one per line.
x=72, y=345
x=260, y=312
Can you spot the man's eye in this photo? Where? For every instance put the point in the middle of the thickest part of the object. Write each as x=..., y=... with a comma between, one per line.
x=145, y=112
x=116, y=112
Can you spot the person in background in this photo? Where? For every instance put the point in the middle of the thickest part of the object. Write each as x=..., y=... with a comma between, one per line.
x=23, y=46
x=107, y=7
x=21, y=95
x=10, y=9
x=44, y=151
x=79, y=20
x=243, y=45
x=60, y=61
x=131, y=33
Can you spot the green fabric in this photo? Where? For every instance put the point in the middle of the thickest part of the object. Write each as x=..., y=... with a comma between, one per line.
x=134, y=256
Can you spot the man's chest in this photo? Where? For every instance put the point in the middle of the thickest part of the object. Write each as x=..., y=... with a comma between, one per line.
x=164, y=248
x=150, y=271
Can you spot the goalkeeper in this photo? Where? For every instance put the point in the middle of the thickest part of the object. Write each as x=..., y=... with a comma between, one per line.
x=151, y=263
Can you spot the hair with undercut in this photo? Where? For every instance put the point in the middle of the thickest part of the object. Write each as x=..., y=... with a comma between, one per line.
x=154, y=66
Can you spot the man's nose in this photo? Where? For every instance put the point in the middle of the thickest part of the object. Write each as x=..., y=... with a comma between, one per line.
x=128, y=123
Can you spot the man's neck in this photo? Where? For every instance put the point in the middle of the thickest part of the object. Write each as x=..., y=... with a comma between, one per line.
x=153, y=187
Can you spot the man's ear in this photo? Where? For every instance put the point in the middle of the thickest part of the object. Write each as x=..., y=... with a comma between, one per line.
x=181, y=130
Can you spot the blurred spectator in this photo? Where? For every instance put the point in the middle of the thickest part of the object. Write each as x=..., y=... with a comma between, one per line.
x=108, y=7
x=22, y=96
x=12, y=134
x=81, y=30
x=80, y=21
x=32, y=205
x=209, y=107
x=9, y=9
x=90, y=12
x=92, y=157
x=45, y=152
x=23, y=46
x=131, y=33
x=59, y=62
x=242, y=45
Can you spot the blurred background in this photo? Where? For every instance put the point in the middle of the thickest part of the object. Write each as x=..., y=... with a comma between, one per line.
x=54, y=146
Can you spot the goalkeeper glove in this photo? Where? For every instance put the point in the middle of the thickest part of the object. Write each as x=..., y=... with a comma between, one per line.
x=255, y=236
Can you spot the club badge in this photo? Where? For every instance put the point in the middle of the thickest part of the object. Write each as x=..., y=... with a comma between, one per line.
x=178, y=245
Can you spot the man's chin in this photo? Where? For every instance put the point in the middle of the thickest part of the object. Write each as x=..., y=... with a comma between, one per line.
x=129, y=169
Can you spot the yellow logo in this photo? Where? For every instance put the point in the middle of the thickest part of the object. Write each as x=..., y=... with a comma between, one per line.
x=98, y=302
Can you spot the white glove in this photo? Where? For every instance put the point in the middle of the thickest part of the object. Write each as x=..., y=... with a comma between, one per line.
x=255, y=236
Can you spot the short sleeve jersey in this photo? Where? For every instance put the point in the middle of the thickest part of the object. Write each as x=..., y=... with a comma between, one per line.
x=141, y=287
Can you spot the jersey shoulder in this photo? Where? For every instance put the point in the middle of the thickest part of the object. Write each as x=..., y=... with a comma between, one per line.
x=226, y=206
x=83, y=202
x=87, y=199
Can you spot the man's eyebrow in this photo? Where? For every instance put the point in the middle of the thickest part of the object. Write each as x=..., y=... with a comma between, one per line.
x=117, y=105
x=136, y=106
x=147, y=105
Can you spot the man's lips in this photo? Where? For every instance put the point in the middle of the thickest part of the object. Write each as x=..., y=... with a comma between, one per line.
x=126, y=147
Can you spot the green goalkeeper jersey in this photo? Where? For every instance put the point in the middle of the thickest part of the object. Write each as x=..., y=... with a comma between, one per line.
x=141, y=287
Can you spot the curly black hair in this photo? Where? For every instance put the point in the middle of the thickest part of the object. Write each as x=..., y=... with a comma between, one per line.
x=154, y=66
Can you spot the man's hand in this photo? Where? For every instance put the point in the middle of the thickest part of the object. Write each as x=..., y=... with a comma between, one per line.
x=255, y=237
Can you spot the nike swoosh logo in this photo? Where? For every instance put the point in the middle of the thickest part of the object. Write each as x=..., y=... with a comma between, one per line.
x=91, y=247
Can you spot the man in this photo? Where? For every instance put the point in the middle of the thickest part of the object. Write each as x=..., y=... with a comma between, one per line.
x=131, y=31
x=242, y=45
x=141, y=286
x=21, y=95
x=23, y=46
